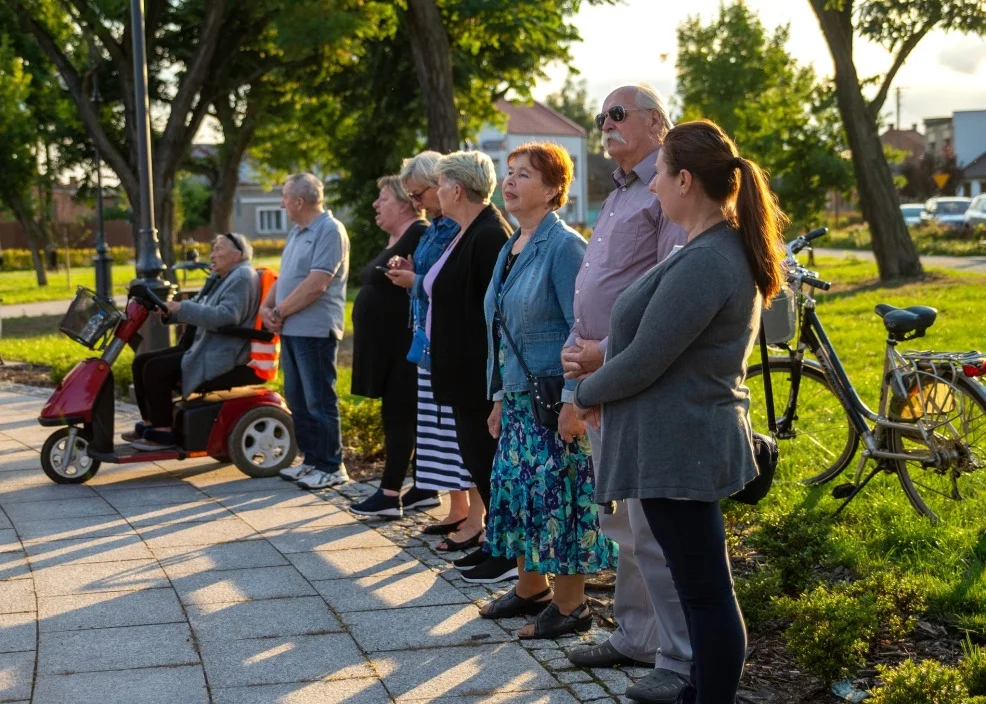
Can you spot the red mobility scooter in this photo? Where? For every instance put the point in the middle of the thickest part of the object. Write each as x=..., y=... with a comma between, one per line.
x=249, y=425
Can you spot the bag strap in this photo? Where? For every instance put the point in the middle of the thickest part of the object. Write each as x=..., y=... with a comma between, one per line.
x=768, y=390
x=502, y=325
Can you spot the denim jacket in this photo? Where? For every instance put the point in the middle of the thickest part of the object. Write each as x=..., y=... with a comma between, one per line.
x=433, y=242
x=536, y=301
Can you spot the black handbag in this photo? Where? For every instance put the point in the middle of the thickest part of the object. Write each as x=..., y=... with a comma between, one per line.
x=764, y=446
x=545, y=390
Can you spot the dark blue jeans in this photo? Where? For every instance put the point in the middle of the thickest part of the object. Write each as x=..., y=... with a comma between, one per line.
x=309, y=365
x=693, y=538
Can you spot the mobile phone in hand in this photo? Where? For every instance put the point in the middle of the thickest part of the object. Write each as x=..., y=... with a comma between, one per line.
x=384, y=269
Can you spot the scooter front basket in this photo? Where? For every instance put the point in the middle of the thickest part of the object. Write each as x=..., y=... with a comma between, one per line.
x=89, y=319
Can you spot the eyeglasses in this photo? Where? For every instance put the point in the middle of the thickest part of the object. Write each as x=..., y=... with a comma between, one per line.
x=617, y=113
x=417, y=196
x=232, y=239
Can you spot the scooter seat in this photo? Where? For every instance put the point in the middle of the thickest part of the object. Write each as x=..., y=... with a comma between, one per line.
x=197, y=399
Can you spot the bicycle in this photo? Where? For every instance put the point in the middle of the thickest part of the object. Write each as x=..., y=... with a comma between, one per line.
x=930, y=426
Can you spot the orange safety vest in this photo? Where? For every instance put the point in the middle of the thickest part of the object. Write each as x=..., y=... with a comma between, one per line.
x=263, y=355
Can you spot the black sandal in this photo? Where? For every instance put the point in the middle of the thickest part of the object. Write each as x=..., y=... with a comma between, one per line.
x=551, y=623
x=455, y=546
x=442, y=528
x=509, y=604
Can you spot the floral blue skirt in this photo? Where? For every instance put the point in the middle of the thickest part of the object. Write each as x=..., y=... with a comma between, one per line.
x=541, y=504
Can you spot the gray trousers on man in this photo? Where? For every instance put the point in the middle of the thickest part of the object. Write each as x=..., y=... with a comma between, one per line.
x=649, y=619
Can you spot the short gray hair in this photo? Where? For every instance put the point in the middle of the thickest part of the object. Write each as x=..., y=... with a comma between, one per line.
x=246, y=249
x=306, y=186
x=473, y=170
x=649, y=99
x=421, y=168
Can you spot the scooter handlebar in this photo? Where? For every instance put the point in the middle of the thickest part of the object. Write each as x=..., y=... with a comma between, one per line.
x=146, y=295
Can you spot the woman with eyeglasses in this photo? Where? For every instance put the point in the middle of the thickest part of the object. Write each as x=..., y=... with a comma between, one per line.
x=205, y=359
x=438, y=462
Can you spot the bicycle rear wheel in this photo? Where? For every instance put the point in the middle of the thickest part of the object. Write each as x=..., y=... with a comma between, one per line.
x=819, y=441
x=952, y=489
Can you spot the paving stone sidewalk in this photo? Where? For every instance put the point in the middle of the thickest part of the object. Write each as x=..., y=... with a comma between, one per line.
x=188, y=582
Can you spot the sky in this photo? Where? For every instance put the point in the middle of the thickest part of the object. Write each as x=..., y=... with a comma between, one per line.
x=636, y=41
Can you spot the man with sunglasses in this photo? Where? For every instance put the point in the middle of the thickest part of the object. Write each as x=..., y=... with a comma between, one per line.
x=307, y=307
x=630, y=237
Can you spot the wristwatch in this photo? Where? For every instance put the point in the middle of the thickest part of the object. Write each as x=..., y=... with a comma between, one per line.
x=276, y=312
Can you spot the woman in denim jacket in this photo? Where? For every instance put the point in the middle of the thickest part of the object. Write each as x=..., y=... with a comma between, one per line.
x=438, y=461
x=541, y=508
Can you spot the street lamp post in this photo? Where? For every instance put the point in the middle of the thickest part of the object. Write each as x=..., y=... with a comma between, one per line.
x=149, y=264
x=102, y=261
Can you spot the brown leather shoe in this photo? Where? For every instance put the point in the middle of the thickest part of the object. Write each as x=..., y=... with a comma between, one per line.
x=604, y=655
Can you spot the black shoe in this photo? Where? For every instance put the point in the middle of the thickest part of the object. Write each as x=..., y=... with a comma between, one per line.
x=473, y=559
x=661, y=687
x=420, y=498
x=491, y=570
x=604, y=655
x=379, y=505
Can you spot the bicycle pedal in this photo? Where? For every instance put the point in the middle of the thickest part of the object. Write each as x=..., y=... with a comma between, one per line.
x=843, y=491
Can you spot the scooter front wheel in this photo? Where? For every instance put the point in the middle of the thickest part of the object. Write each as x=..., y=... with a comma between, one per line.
x=262, y=442
x=64, y=458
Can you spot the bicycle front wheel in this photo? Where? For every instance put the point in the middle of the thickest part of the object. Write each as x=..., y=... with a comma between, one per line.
x=817, y=441
x=946, y=477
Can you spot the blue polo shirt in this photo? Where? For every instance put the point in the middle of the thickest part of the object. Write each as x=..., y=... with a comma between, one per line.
x=321, y=246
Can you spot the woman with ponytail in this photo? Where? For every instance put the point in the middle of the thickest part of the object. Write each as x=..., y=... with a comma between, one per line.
x=677, y=432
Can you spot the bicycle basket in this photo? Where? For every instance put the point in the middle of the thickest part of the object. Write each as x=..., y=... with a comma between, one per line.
x=780, y=319
x=89, y=319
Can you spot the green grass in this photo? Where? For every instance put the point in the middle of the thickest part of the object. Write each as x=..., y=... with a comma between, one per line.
x=928, y=240
x=22, y=286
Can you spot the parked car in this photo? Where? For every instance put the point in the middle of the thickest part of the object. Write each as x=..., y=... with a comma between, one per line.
x=912, y=213
x=947, y=212
x=976, y=214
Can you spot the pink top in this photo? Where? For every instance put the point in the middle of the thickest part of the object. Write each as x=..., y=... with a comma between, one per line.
x=432, y=274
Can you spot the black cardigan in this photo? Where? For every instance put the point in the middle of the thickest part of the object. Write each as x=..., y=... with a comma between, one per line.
x=458, y=323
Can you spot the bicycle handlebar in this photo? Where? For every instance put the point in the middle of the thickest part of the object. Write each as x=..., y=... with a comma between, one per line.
x=816, y=283
x=796, y=245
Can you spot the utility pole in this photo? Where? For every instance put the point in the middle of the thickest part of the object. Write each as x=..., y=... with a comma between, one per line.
x=149, y=264
x=102, y=261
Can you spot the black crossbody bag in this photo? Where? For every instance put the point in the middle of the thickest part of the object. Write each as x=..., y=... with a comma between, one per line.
x=764, y=446
x=545, y=390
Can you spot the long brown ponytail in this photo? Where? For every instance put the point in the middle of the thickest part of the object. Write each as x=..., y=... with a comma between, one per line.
x=742, y=189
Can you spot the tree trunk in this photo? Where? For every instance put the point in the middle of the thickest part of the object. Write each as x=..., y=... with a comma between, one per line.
x=895, y=254
x=433, y=64
x=36, y=240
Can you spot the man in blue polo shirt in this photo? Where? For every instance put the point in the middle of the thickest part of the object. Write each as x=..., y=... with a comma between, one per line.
x=307, y=307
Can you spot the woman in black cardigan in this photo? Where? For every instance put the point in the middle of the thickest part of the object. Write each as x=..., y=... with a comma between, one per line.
x=458, y=284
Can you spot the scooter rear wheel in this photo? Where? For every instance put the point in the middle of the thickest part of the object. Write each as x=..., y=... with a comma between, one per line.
x=68, y=465
x=262, y=442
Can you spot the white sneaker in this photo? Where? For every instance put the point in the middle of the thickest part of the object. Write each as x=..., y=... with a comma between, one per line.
x=324, y=480
x=293, y=474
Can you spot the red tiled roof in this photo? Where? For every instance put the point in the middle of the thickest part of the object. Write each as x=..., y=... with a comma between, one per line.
x=537, y=119
x=906, y=140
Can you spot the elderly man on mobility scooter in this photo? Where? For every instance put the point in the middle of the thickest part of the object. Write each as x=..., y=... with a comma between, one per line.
x=224, y=349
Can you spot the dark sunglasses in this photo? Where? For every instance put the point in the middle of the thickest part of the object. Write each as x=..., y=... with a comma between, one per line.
x=232, y=239
x=617, y=113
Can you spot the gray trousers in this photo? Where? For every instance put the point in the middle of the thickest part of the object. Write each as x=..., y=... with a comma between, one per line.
x=649, y=619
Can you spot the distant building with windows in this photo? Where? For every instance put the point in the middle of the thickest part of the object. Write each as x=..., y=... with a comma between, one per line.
x=257, y=210
x=962, y=136
x=539, y=123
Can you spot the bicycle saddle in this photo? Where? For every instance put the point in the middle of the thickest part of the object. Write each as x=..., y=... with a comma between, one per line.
x=900, y=321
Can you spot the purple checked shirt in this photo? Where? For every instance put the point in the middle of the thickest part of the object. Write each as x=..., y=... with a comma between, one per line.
x=631, y=236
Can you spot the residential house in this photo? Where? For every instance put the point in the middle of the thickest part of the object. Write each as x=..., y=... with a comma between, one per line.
x=962, y=136
x=539, y=123
x=910, y=141
x=257, y=209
